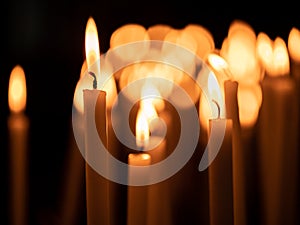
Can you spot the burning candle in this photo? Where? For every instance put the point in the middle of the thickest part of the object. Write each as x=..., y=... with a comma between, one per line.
x=97, y=187
x=220, y=171
x=278, y=149
x=18, y=124
x=137, y=196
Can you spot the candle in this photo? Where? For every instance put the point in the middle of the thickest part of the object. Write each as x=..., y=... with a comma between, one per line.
x=221, y=177
x=239, y=51
x=137, y=196
x=220, y=173
x=278, y=133
x=18, y=124
x=97, y=189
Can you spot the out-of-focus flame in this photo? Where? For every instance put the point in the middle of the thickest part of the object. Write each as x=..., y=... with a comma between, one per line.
x=294, y=44
x=273, y=55
x=220, y=65
x=203, y=37
x=239, y=50
x=17, y=93
x=249, y=100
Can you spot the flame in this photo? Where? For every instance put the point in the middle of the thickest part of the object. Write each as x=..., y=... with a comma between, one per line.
x=294, y=44
x=239, y=50
x=92, y=48
x=17, y=90
x=249, y=101
x=142, y=128
x=211, y=106
x=104, y=78
x=273, y=55
x=217, y=62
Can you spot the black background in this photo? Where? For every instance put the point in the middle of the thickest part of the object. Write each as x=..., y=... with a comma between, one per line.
x=47, y=39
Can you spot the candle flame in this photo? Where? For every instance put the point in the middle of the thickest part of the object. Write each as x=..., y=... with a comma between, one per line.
x=249, y=101
x=217, y=62
x=17, y=90
x=294, y=44
x=273, y=55
x=92, y=48
x=142, y=128
x=211, y=106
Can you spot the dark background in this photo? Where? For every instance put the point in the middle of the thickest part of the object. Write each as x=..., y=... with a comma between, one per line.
x=47, y=39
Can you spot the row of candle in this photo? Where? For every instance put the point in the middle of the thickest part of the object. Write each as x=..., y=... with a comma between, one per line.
x=245, y=68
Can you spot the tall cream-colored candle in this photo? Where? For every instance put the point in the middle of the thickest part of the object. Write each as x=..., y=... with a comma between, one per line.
x=97, y=187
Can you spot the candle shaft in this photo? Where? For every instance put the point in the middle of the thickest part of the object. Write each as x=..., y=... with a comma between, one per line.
x=18, y=133
x=278, y=148
x=97, y=187
x=137, y=196
x=238, y=154
x=221, y=178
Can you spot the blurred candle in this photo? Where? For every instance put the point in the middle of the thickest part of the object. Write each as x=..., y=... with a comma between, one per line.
x=278, y=133
x=137, y=196
x=18, y=125
x=97, y=189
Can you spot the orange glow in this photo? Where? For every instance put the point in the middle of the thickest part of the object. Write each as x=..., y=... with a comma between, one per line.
x=17, y=90
x=239, y=50
x=203, y=37
x=294, y=44
x=80, y=86
x=142, y=159
x=158, y=31
x=249, y=101
x=142, y=128
x=92, y=48
x=182, y=38
x=152, y=98
x=264, y=49
x=130, y=33
x=151, y=71
x=220, y=65
x=273, y=55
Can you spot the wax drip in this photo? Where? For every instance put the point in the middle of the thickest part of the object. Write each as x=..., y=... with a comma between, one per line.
x=95, y=79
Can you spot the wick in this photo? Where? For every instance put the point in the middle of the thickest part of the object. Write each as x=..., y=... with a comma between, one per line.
x=218, y=106
x=95, y=79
